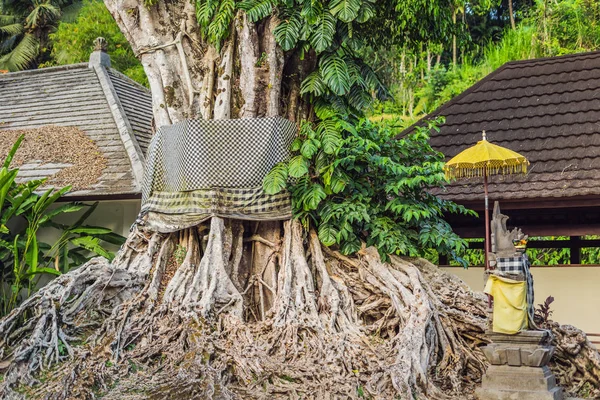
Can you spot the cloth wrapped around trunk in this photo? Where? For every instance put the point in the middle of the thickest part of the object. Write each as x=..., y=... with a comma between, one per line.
x=196, y=169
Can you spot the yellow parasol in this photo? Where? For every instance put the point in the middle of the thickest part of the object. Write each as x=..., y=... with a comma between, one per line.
x=485, y=159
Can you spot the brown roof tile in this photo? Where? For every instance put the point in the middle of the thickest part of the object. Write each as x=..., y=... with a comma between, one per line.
x=546, y=109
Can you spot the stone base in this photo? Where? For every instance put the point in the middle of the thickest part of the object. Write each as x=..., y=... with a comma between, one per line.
x=508, y=382
x=506, y=394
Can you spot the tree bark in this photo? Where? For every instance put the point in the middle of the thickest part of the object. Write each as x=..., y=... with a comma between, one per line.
x=511, y=14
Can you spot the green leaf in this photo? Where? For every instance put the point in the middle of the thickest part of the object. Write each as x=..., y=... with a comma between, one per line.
x=327, y=234
x=345, y=10
x=276, y=180
x=65, y=208
x=92, y=244
x=322, y=33
x=22, y=55
x=44, y=270
x=313, y=197
x=331, y=139
x=335, y=74
x=219, y=27
x=311, y=10
x=13, y=150
x=309, y=148
x=91, y=230
x=313, y=84
x=298, y=167
x=205, y=10
x=338, y=182
x=287, y=33
x=257, y=10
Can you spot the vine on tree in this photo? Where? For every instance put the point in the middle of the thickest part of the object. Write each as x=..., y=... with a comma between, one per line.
x=359, y=183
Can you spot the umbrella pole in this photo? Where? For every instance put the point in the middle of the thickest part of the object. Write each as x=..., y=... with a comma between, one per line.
x=487, y=221
x=487, y=230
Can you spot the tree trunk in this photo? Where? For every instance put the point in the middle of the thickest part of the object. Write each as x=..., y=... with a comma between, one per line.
x=454, y=56
x=235, y=309
x=511, y=14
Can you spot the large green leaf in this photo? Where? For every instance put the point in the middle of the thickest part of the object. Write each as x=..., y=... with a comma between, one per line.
x=287, y=33
x=22, y=55
x=345, y=10
x=276, y=180
x=92, y=244
x=313, y=84
x=257, y=10
x=335, y=74
x=331, y=138
x=313, y=197
x=13, y=150
x=322, y=32
x=311, y=10
x=298, y=167
x=65, y=208
x=91, y=230
x=327, y=234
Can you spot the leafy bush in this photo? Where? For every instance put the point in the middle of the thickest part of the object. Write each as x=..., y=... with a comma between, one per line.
x=23, y=258
x=73, y=41
x=359, y=183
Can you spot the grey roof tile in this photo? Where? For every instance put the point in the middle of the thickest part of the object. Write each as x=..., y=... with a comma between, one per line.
x=73, y=96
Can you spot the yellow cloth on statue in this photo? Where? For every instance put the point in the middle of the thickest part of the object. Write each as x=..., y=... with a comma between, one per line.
x=510, y=304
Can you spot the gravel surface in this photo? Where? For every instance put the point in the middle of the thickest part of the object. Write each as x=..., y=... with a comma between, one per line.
x=57, y=144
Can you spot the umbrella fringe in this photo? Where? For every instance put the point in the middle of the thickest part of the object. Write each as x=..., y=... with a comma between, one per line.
x=470, y=171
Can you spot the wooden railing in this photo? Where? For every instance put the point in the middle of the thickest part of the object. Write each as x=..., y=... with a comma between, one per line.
x=594, y=338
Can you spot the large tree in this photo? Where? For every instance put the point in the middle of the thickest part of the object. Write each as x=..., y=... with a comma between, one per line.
x=236, y=309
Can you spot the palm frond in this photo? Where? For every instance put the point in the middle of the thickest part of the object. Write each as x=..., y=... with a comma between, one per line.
x=44, y=13
x=11, y=30
x=7, y=19
x=22, y=55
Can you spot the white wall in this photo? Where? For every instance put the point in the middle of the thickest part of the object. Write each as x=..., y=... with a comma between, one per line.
x=117, y=215
x=576, y=292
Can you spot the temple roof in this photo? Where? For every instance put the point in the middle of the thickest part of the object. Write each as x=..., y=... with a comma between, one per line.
x=546, y=109
x=111, y=110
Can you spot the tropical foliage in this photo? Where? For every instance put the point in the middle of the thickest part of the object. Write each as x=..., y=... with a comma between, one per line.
x=23, y=258
x=73, y=40
x=24, y=29
x=423, y=77
x=360, y=183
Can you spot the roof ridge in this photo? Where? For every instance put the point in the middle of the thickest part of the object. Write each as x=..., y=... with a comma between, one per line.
x=43, y=70
x=563, y=58
x=127, y=136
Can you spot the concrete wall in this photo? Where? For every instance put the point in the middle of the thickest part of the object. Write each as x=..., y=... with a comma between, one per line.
x=576, y=292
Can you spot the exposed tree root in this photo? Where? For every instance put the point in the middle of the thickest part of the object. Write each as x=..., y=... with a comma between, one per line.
x=576, y=361
x=219, y=311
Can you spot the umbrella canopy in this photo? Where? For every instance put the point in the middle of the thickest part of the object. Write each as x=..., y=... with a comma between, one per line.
x=485, y=159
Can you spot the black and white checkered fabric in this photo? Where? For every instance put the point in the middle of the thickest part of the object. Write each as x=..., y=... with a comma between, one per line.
x=217, y=167
x=520, y=265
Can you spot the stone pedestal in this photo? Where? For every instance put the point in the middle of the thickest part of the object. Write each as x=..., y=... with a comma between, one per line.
x=519, y=369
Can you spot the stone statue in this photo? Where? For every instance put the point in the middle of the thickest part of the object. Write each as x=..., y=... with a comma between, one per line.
x=100, y=44
x=503, y=240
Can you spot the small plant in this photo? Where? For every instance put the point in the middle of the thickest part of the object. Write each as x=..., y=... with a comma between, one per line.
x=179, y=254
x=261, y=60
x=543, y=312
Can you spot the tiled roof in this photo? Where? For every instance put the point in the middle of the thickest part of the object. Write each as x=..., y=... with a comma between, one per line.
x=546, y=109
x=137, y=103
x=112, y=110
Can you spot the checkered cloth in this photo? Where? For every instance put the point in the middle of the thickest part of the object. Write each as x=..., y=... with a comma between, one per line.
x=216, y=167
x=520, y=265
